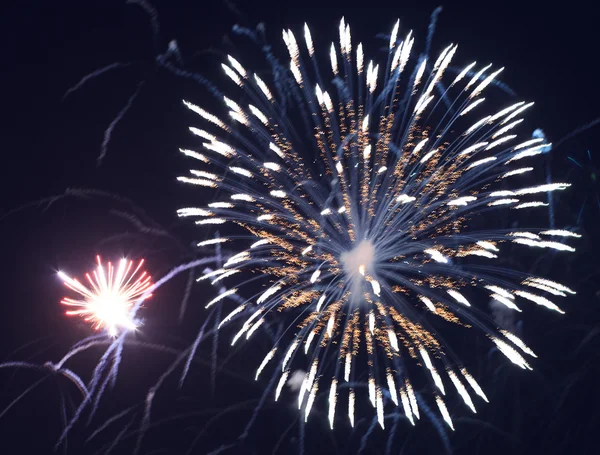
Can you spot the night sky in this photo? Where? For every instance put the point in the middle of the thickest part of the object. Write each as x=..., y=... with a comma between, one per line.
x=127, y=195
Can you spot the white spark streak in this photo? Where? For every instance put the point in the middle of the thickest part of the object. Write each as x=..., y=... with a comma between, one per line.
x=231, y=315
x=511, y=354
x=260, y=243
x=506, y=128
x=482, y=161
x=393, y=341
x=193, y=211
x=404, y=199
x=195, y=155
x=225, y=275
x=278, y=193
x=268, y=293
x=473, y=147
x=472, y=106
x=281, y=383
x=464, y=200
x=332, y=401
x=560, y=233
x=462, y=391
x=503, y=202
x=213, y=241
x=263, y=87
x=221, y=205
x=266, y=360
x=505, y=301
x=458, y=297
x=289, y=353
x=502, y=140
x=552, y=284
x=544, y=244
x=406, y=405
x=444, y=411
x=221, y=297
x=351, y=407
x=199, y=182
x=477, y=125
x=487, y=245
x=320, y=302
x=380, y=415
x=517, y=341
x=543, y=301
x=436, y=255
x=237, y=66
x=428, y=303
x=309, y=339
x=434, y=374
x=527, y=205
x=212, y=221
x=392, y=387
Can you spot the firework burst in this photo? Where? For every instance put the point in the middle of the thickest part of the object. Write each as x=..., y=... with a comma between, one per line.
x=111, y=295
x=365, y=228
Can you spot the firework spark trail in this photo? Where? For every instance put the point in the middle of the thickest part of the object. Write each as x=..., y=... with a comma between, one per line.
x=186, y=295
x=370, y=233
x=145, y=423
x=113, y=124
x=390, y=441
x=120, y=435
x=70, y=375
x=152, y=15
x=577, y=131
x=94, y=74
x=441, y=430
x=192, y=351
x=98, y=370
x=139, y=225
x=21, y=395
x=222, y=448
x=217, y=319
x=365, y=437
x=112, y=377
x=108, y=422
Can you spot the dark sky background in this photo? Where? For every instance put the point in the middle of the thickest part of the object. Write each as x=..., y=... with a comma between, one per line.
x=50, y=143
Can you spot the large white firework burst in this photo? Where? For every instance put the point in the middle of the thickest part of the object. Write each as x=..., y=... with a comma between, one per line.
x=363, y=229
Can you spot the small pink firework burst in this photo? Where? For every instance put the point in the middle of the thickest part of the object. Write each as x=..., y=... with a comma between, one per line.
x=110, y=296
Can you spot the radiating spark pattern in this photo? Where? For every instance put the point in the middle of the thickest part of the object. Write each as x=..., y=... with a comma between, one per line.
x=363, y=228
x=110, y=296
